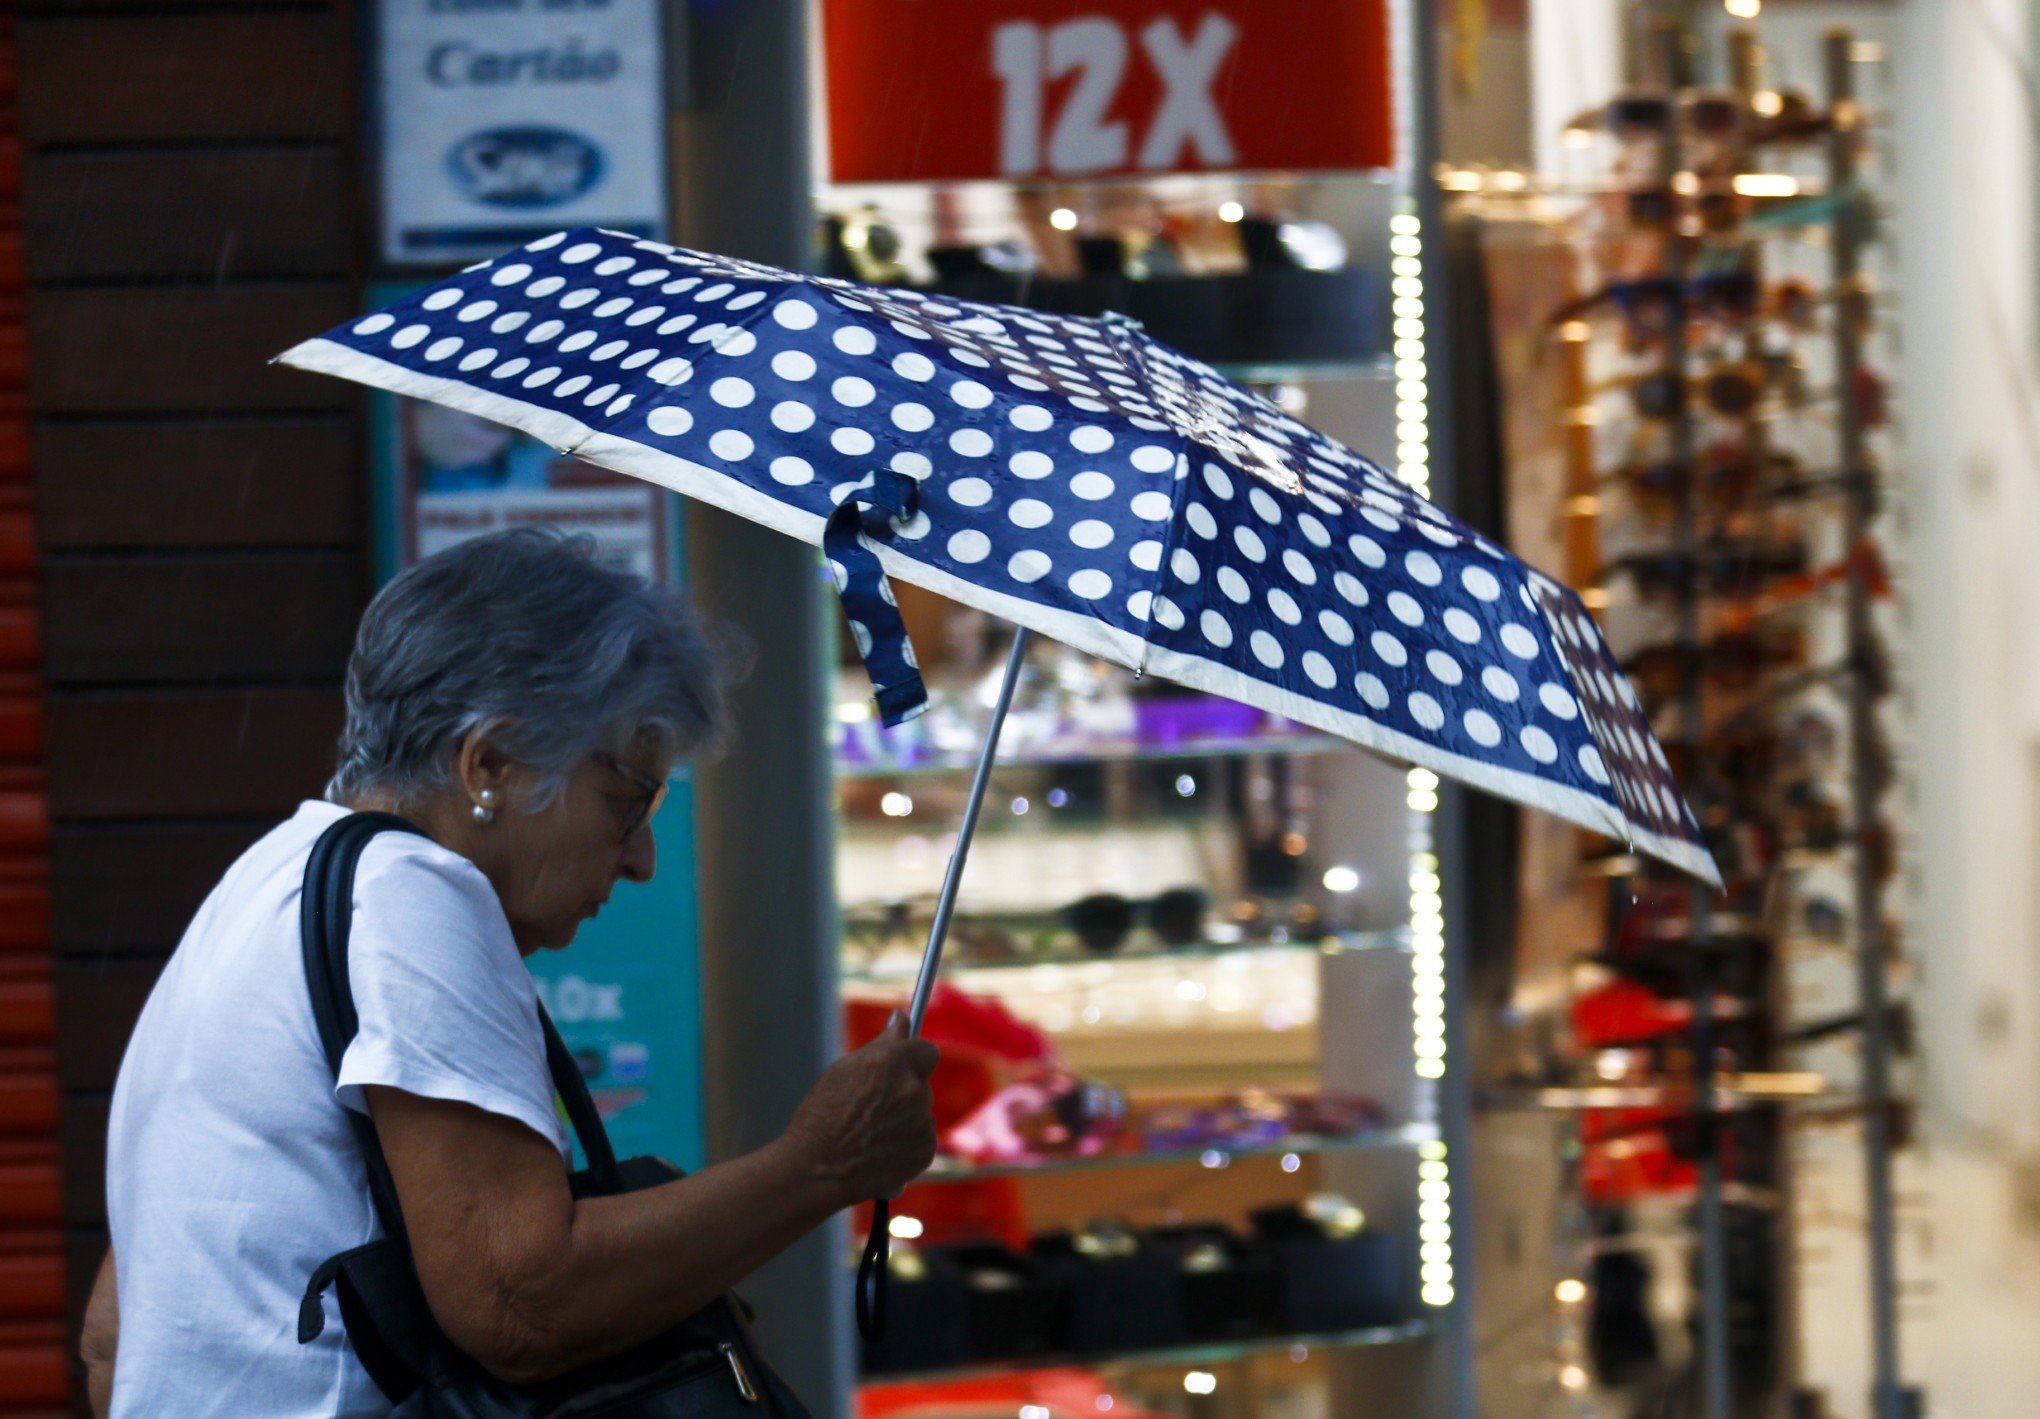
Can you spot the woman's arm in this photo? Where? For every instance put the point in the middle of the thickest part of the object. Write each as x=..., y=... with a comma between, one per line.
x=99, y=1337
x=532, y=1283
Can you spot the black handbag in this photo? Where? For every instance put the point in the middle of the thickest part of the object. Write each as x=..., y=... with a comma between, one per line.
x=708, y=1367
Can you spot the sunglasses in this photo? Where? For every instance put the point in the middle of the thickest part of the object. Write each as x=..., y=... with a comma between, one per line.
x=1103, y=922
x=651, y=793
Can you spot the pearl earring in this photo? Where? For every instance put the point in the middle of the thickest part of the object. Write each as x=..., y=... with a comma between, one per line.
x=483, y=812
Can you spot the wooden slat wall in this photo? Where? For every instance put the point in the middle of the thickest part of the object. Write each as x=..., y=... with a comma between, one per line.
x=190, y=208
x=35, y=1373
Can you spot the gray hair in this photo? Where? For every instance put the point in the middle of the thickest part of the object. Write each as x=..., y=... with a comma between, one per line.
x=528, y=634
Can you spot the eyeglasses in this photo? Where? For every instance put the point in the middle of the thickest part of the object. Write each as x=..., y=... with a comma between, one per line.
x=652, y=793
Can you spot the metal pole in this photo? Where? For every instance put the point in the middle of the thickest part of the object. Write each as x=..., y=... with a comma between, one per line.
x=1888, y=1399
x=931, y=958
x=1716, y=1380
x=771, y=1005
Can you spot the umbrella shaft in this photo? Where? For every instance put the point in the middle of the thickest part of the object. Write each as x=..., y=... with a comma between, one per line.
x=931, y=959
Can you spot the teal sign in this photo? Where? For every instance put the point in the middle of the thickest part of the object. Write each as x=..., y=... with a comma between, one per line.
x=627, y=994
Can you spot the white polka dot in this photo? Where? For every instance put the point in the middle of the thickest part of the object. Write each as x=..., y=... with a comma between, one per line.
x=713, y=293
x=970, y=394
x=1153, y=458
x=1216, y=629
x=1423, y=567
x=539, y=378
x=743, y=302
x=1215, y=479
x=795, y=365
x=1168, y=615
x=1519, y=642
x=375, y=324
x=1590, y=761
x=620, y=405
x=1299, y=567
x=914, y=465
x=1090, y=438
x=1264, y=506
x=510, y=275
x=1539, y=745
x=1337, y=628
x=585, y=251
x=1145, y=555
x=1387, y=522
x=736, y=344
x=546, y=243
x=1463, y=627
x=1030, y=464
x=677, y=323
x=610, y=350
x=1319, y=670
x=1091, y=487
x=791, y=416
x=1404, y=608
x=1140, y=605
x=1426, y=711
x=544, y=331
x=1314, y=530
x=1348, y=586
x=1371, y=689
x=475, y=359
x=579, y=340
x=670, y=420
x=1250, y=544
x=855, y=340
x=731, y=392
x=1091, y=584
x=1482, y=728
x=671, y=372
x=1266, y=649
x=1030, y=418
x=615, y=264
x=852, y=391
x=1388, y=649
x=971, y=443
x=794, y=315
x=480, y=310
x=570, y=387
x=410, y=335
x=854, y=443
x=969, y=547
x=444, y=349
x=1444, y=667
x=574, y=300
x=1151, y=506
x=1030, y=513
x=646, y=315
x=1231, y=583
x=1501, y=684
x=544, y=286
x=614, y=306
x=730, y=445
x=504, y=324
x=1183, y=565
x=970, y=492
x=1558, y=700
x=509, y=368
x=1285, y=608
x=793, y=472
x=912, y=418
x=1092, y=534
x=1367, y=551
x=1201, y=521
x=1481, y=583
x=1029, y=566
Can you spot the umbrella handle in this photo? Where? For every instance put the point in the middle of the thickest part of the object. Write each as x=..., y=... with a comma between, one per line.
x=872, y=1267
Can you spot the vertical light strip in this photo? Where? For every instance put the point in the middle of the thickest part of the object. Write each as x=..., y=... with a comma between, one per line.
x=1427, y=902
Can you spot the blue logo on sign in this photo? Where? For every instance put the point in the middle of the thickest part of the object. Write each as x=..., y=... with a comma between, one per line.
x=525, y=167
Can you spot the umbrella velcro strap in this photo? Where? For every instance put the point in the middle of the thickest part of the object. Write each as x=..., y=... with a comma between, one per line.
x=871, y=510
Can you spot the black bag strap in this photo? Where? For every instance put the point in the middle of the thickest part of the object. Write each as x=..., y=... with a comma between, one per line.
x=326, y=917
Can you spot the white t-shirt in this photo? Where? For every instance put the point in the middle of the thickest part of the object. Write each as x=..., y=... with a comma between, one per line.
x=231, y=1170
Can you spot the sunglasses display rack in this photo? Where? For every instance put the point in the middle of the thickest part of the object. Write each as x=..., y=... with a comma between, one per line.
x=1726, y=490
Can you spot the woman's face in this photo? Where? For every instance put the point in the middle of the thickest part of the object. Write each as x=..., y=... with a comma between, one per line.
x=554, y=869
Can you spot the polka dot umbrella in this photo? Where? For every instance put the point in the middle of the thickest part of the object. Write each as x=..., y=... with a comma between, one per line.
x=1070, y=475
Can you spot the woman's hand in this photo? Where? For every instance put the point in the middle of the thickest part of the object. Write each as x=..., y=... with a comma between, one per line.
x=868, y=1125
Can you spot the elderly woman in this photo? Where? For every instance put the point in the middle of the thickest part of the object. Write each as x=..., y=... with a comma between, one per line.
x=524, y=706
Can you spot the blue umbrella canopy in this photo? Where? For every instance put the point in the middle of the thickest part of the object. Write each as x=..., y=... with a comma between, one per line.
x=1070, y=475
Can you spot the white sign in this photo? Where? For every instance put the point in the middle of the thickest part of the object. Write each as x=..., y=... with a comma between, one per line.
x=503, y=120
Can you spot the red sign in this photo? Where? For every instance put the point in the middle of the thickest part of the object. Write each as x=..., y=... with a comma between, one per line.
x=933, y=90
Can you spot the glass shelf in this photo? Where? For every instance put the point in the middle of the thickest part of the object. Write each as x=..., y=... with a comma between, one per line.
x=1408, y=1136
x=1104, y=753
x=1219, y=1353
x=908, y=965
x=1731, y=1092
x=1301, y=371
